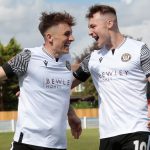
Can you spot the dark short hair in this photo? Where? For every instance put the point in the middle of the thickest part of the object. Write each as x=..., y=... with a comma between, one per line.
x=50, y=19
x=103, y=9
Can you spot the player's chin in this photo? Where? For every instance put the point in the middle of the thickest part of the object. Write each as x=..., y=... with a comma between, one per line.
x=66, y=51
x=100, y=43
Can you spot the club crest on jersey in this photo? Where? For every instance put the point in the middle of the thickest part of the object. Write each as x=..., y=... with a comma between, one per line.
x=100, y=59
x=125, y=57
x=68, y=65
x=45, y=62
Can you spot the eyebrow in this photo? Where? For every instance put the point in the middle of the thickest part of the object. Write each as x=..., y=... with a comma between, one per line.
x=67, y=32
x=91, y=25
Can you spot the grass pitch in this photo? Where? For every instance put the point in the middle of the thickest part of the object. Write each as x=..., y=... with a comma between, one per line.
x=89, y=140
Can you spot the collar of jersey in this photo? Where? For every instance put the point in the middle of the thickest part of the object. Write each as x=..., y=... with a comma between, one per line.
x=45, y=51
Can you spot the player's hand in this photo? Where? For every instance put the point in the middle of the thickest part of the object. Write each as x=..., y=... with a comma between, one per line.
x=148, y=124
x=75, y=125
x=18, y=93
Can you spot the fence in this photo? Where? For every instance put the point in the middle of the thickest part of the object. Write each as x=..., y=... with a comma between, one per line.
x=90, y=113
x=9, y=125
x=89, y=119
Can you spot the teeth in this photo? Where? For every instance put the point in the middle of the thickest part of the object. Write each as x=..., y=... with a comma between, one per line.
x=67, y=45
x=96, y=38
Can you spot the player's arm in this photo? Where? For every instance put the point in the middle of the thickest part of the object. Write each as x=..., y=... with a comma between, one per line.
x=16, y=66
x=145, y=64
x=82, y=73
x=148, y=101
x=75, y=123
x=2, y=74
x=148, y=96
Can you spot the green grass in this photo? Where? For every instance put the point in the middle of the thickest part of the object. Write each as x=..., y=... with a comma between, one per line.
x=88, y=141
x=5, y=140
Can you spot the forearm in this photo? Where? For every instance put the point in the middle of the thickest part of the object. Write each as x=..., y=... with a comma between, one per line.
x=74, y=122
x=2, y=74
x=75, y=83
x=148, y=96
x=71, y=112
x=148, y=101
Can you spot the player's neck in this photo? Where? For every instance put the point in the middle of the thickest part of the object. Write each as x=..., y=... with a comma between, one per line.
x=51, y=52
x=116, y=41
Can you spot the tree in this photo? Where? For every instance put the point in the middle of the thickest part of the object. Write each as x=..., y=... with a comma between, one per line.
x=8, y=88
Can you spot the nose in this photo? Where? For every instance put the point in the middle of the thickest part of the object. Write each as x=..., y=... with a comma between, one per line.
x=90, y=32
x=71, y=38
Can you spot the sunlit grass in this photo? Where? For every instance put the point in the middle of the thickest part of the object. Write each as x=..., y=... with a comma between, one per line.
x=88, y=141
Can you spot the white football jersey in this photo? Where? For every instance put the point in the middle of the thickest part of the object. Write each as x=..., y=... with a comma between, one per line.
x=44, y=98
x=120, y=79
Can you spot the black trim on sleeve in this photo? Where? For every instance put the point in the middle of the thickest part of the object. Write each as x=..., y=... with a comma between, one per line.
x=148, y=75
x=148, y=90
x=8, y=70
x=148, y=96
x=19, y=63
x=81, y=75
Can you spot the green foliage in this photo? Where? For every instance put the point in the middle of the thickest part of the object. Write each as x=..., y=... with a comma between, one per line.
x=89, y=89
x=9, y=87
x=89, y=86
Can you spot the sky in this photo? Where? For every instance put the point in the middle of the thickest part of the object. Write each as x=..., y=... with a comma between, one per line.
x=20, y=19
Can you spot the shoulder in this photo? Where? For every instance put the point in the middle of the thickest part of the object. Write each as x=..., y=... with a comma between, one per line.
x=66, y=57
x=33, y=49
x=135, y=43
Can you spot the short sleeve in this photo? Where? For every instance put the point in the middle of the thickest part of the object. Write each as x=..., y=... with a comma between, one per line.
x=145, y=60
x=82, y=73
x=17, y=65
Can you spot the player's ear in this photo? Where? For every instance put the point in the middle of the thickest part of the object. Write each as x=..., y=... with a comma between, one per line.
x=110, y=23
x=49, y=37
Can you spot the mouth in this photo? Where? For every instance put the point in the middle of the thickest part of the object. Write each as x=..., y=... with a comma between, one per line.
x=67, y=45
x=96, y=38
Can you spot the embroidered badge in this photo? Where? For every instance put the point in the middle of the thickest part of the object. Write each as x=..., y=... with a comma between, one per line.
x=125, y=57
